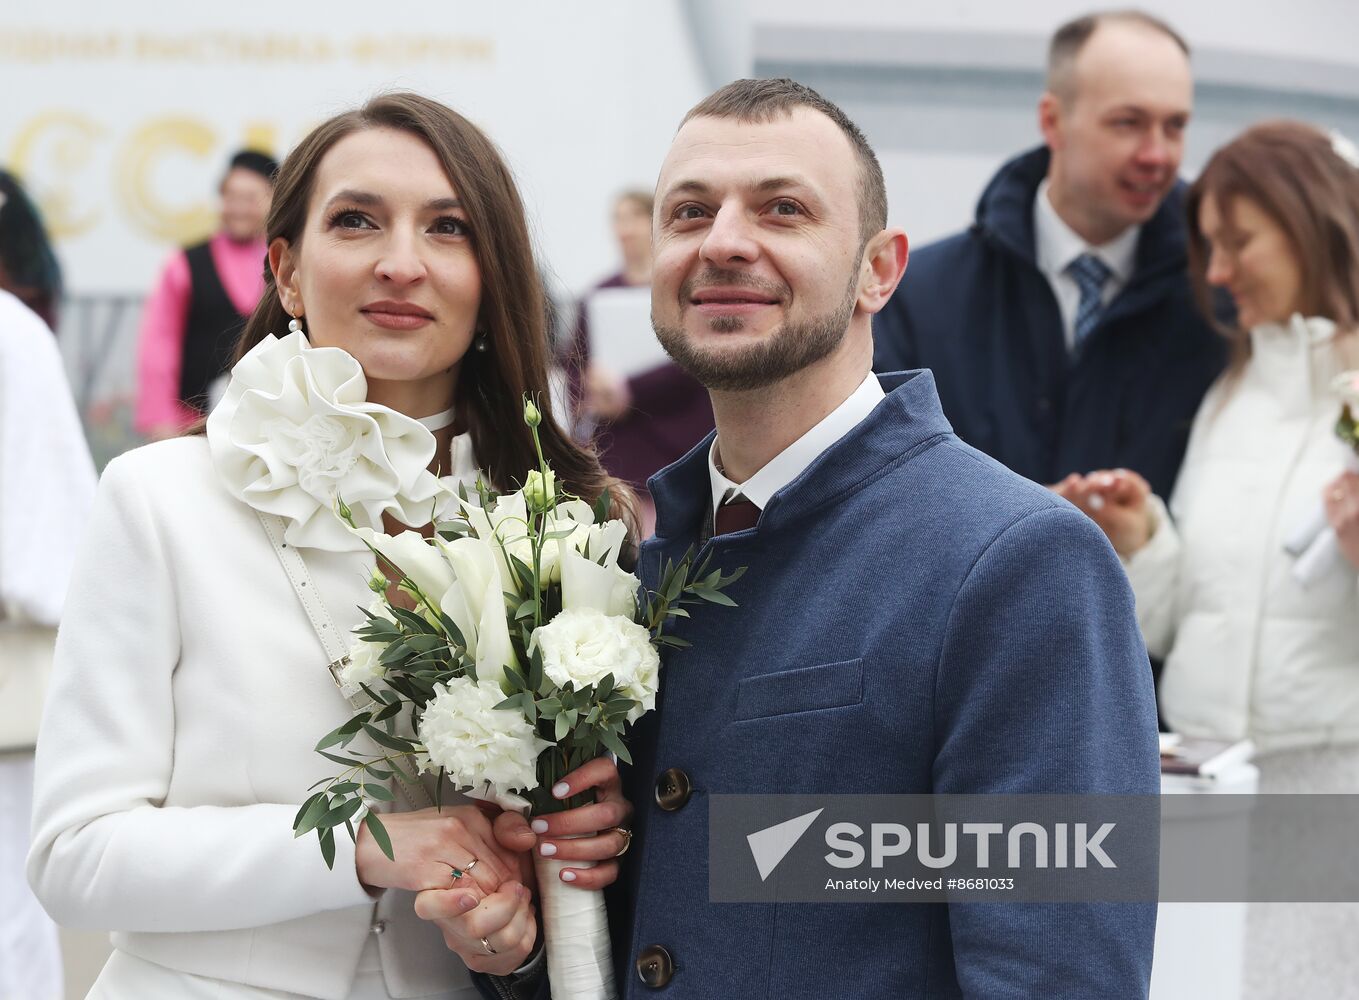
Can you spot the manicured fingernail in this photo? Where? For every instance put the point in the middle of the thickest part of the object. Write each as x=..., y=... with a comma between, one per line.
x=548, y=850
x=568, y=875
x=561, y=789
x=467, y=902
x=538, y=826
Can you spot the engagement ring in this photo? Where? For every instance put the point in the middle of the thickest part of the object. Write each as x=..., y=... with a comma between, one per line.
x=456, y=873
x=627, y=839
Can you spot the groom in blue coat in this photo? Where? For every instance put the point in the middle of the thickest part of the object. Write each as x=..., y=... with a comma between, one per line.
x=914, y=618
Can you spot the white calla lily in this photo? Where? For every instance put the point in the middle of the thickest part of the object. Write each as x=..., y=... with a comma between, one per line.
x=412, y=553
x=606, y=589
x=476, y=604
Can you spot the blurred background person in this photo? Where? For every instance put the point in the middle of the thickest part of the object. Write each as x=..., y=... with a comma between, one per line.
x=1251, y=652
x=643, y=422
x=28, y=266
x=46, y=492
x=199, y=306
x=1060, y=326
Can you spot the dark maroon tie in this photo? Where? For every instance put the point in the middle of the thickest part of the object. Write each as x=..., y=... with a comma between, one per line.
x=736, y=514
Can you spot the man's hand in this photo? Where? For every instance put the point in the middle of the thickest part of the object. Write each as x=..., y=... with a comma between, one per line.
x=586, y=833
x=1117, y=501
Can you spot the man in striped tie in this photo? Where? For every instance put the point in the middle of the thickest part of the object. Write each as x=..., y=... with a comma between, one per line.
x=1060, y=327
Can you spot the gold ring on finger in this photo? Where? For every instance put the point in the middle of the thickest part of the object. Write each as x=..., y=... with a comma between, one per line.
x=627, y=839
x=487, y=945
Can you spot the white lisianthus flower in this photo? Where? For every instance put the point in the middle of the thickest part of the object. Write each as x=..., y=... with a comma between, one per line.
x=539, y=490
x=573, y=515
x=480, y=747
x=581, y=645
x=607, y=589
x=601, y=539
x=506, y=527
x=363, y=666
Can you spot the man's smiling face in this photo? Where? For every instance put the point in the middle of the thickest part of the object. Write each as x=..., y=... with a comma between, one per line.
x=757, y=247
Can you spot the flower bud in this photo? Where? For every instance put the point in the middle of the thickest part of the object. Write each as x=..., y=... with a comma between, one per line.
x=377, y=583
x=539, y=490
x=531, y=415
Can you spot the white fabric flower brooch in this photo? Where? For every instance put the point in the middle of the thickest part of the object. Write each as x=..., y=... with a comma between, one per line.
x=295, y=430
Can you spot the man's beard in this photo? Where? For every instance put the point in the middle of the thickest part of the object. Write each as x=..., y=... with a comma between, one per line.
x=784, y=351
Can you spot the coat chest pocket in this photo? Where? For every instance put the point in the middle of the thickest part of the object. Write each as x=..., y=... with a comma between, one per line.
x=806, y=689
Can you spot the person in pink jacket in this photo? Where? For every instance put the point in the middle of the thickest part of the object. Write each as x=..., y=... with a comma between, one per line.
x=200, y=303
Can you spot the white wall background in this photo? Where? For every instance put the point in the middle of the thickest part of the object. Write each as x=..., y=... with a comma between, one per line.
x=120, y=116
x=946, y=92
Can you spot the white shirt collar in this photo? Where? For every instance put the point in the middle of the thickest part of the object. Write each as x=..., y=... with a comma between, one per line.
x=1057, y=244
x=788, y=464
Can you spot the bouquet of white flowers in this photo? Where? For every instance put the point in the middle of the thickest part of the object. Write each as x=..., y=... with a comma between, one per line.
x=522, y=650
x=1314, y=542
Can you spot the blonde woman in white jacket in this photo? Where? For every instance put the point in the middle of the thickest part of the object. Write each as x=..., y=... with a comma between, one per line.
x=191, y=682
x=1249, y=650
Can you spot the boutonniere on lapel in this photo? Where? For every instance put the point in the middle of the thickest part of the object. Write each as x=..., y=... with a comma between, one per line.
x=1314, y=543
x=519, y=650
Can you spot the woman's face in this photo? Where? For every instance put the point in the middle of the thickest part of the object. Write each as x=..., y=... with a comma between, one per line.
x=385, y=268
x=1250, y=256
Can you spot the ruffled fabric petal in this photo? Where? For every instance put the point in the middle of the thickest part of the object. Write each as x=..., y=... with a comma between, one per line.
x=295, y=431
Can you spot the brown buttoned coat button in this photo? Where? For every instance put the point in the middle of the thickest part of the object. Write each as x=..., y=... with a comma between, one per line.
x=673, y=789
x=655, y=967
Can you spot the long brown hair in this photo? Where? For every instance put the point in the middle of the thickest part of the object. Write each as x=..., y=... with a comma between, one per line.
x=1295, y=175
x=513, y=313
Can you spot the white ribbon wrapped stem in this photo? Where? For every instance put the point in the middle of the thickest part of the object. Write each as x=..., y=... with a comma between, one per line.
x=576, y=931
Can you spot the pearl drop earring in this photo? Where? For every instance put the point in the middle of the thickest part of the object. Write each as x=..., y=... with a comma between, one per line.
x=294, y=325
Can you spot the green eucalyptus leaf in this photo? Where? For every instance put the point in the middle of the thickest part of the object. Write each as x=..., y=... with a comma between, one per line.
x=388, y=740
x=310, y=812
x=610, y=739
x=380, y=792
x=337, y=814
x=327, y=838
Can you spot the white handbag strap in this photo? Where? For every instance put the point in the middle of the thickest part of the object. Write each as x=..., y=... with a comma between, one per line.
x=337, y=654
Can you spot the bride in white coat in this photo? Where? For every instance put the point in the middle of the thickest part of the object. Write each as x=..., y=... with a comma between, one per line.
x=191, y=685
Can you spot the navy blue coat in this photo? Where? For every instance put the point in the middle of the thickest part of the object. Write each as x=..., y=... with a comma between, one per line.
x=975, y=309
x=994, y=648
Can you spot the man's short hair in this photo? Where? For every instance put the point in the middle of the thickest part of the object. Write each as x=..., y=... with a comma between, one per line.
x=256, y=162
x=1070, y=38
x=760, y=101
